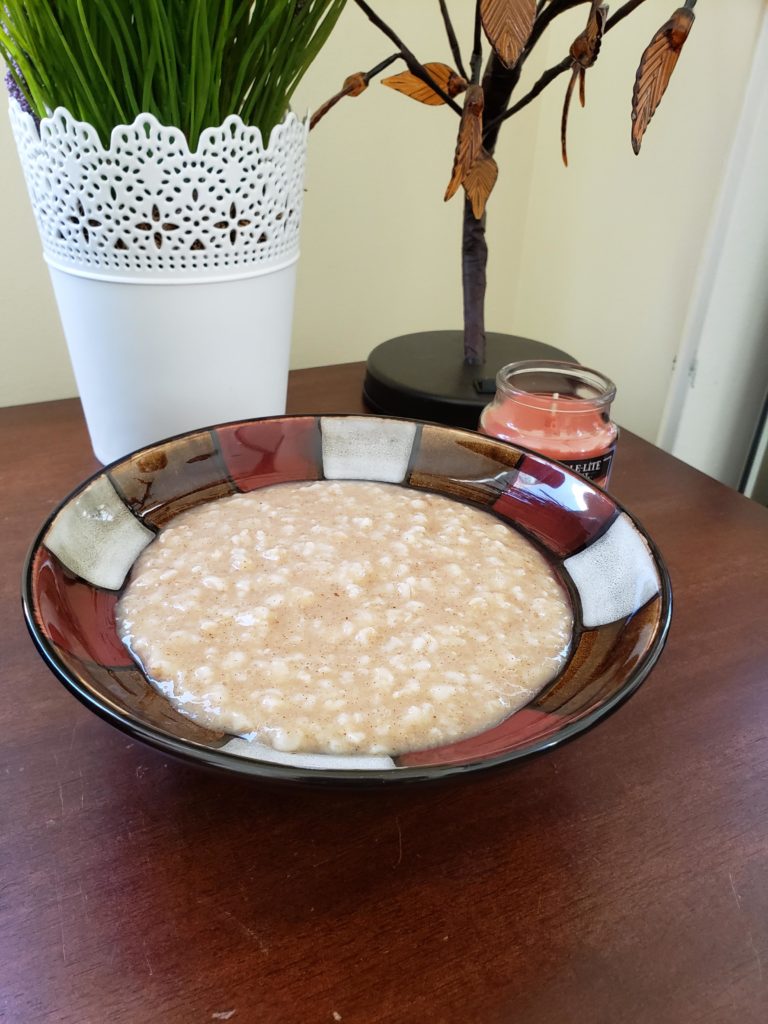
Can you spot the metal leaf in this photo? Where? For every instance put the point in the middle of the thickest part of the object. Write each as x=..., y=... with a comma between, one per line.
x=355, y=84
x=479, y=181
x=469, y=144
x=443, y=76
x=584, y=52
x=656, y=67
x=508, y=25
x=586, y=46
x=564, y=118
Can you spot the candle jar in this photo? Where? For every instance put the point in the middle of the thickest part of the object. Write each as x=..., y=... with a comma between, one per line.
x=561, y=410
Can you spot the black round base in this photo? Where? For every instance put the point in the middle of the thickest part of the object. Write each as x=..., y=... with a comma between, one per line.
x=424, y=377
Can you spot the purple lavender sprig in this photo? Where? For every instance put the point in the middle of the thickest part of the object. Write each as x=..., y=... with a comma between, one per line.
x=17, y=93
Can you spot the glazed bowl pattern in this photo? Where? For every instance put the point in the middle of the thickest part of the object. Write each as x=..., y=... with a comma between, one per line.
x=83, y=554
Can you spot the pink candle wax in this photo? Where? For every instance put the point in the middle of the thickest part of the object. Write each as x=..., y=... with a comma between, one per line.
x=560, y=410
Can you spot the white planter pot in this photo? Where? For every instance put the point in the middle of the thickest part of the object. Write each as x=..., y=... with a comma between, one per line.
x=173, y=271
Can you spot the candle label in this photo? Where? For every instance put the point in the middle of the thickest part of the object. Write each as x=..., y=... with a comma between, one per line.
x=597, y=468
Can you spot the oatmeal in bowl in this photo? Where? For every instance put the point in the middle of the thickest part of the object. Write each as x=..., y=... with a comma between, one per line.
x=345, y=617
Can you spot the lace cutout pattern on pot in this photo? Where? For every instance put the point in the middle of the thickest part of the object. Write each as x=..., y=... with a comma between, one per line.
x=147, y=205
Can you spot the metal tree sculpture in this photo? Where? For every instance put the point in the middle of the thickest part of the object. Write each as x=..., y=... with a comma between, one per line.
x=512, y=29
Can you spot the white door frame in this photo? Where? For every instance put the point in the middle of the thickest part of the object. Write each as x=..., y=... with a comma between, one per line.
x=721, y=371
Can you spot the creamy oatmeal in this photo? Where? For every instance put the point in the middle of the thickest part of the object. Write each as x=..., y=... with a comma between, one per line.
x=345, y=617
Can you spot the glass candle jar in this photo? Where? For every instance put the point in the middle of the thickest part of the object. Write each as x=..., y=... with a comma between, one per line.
x=561, y=410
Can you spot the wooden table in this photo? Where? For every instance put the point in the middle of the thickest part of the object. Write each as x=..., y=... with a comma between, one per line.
x=622, y=878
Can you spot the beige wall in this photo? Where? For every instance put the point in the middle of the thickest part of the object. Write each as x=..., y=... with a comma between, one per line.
x=614, y=242
x=598, y=259
x=33, y=358
x=380, y=248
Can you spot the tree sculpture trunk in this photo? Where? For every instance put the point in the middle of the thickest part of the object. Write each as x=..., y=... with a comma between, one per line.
x=474, y=259
x=498, y=83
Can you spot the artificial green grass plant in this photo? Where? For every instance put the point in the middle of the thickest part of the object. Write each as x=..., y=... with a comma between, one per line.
x=191, y=63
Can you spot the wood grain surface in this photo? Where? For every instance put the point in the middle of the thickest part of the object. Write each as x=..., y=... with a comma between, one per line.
x=622, y=878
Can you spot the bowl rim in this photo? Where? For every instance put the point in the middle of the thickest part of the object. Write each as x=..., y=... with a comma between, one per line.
x=236, y=764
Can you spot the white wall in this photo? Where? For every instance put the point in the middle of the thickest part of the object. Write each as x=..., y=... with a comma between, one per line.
x=598, y=259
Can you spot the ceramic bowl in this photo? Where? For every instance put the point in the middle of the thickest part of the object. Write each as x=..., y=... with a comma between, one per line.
x=84, y=552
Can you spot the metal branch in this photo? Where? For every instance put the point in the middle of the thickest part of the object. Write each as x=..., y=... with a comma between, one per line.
x=549, y=76
x=453, y=41
x=477, y=47
x=565, y=63
x=349, y=86
x=414, y=66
